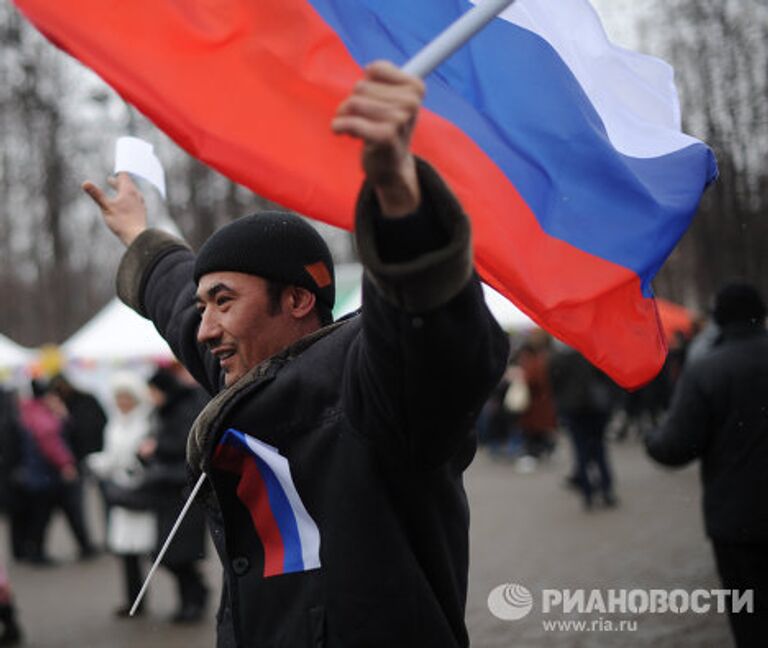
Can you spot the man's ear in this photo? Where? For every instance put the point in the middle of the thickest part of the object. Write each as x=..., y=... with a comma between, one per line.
x=299, y=302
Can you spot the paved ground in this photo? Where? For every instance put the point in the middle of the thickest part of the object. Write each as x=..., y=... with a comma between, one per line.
x=526, y=529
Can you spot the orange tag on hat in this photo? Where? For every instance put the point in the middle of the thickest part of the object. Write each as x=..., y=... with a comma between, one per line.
x=319, y=273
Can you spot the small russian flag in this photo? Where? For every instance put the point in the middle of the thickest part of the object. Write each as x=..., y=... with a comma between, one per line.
x=290, y=537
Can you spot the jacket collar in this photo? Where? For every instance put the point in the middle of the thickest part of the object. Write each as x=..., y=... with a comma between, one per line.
x=200, y=440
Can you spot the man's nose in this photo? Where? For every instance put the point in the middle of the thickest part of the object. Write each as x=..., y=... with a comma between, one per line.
x=209, y=329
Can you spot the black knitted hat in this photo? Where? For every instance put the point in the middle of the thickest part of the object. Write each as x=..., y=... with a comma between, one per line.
x=279, y=246
x=739, y=302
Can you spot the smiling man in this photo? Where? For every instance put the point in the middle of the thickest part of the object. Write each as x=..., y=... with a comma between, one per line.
x=335, y=451
x=263, y=282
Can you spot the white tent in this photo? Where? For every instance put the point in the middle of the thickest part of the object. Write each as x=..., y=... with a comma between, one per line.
x=12, y=354
x=114, y=334
x=509, y=316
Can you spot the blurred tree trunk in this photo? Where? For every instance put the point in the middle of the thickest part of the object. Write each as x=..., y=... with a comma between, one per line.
x=720, y=54
x=33, y=111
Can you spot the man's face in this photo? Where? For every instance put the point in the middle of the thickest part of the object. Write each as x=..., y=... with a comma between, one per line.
x=237, y=322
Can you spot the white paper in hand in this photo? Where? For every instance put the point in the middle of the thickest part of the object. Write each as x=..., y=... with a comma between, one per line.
x=138, y=157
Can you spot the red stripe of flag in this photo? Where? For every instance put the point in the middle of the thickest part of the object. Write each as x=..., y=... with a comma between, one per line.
x=558, y=286
x=252, y=491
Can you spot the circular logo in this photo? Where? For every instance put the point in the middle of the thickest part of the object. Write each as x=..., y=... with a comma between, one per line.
x=510, y=601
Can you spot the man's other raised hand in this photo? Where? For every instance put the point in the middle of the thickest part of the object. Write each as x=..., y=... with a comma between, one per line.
x=124, y=213
x=381, y=111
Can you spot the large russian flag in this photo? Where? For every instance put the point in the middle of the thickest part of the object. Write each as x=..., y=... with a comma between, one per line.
x=289, y=536
x=565, y=150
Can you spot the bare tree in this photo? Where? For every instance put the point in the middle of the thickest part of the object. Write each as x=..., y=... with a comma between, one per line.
x=58, y=124
x=720, y=52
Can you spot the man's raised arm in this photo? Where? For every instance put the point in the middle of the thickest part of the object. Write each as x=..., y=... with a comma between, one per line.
x=381, y=111
x=174, y=315
x=430, y=351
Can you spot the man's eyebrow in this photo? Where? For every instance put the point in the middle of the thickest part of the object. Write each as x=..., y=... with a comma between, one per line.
x=213, y=291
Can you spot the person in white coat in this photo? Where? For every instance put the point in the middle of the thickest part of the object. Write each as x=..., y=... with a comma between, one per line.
x=131, y=532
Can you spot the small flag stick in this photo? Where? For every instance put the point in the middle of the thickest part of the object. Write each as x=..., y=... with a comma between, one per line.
x=454, y=36
x=167, y=542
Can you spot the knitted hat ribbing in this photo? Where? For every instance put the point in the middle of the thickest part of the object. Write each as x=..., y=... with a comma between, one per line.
x=279, y=246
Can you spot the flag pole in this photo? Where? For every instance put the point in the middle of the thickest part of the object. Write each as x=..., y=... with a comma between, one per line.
x=167, y=543
x=454, y=36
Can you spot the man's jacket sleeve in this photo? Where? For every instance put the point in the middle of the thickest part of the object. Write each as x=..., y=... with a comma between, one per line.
x=430, y=351
x=169, y=299
x=682, y=436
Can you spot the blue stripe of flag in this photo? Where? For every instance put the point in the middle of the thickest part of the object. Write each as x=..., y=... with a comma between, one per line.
x=540, y=129
x=278, y=502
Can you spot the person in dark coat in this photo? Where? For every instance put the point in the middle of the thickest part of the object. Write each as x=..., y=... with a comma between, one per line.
x=10, y=446
x=584, y=398
x=11, y=634
x=334, y=452
x=84, y=429
x=11, y=457
x=719, y=414
x=165, y=479
x=45, y=467
x=84, y=434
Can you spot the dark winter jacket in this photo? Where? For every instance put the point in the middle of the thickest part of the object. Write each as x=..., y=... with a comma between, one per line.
x=578, y=387
x=370, y=418
x=84, y=429
x=11, y=439
x=164, y=484
x=172, y=422
x=719, y=413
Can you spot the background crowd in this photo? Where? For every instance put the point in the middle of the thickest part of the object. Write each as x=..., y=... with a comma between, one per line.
x=708, y=403
x=57, y=440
